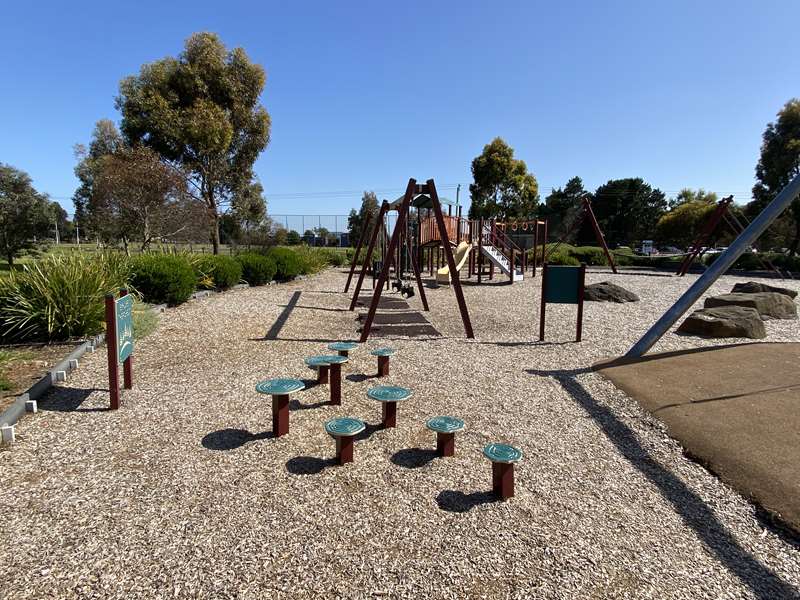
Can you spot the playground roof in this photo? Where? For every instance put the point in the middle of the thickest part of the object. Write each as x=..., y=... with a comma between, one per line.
x=421, y=201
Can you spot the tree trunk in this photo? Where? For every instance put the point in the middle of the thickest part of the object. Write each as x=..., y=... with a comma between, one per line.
x=215, y=232
x=125, y=245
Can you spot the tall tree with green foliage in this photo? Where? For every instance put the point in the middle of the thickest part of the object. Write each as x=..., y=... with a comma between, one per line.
x=502, y=187
x=778, y=164
x=356, y=220
x=201, y=112
x=689, y=195
x=627, y=211
x=24, y=213
x=561, y=205
x=249, y=208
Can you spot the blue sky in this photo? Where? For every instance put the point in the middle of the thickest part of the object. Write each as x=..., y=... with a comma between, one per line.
x=364, y=95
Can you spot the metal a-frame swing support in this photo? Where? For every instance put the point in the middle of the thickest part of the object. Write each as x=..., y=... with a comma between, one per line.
x=746, y=239
x=586, y=212
x=412, y=190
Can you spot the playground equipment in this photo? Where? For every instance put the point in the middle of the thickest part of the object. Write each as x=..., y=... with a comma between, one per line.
x=389, y=396
x=280, y=389
x=751, y=233
x=562, y=285
x=343, y=348
x=383, y=355
x=344, y=430
x=446, y=429
x=461, y=256
x=585, y=212
x=503, y=458
x=722, y=213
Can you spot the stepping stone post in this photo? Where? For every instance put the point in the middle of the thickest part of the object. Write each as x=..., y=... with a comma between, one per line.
x=344, y=430
x=280, y=389
x=503, y=458
x=389, y=396
x=343, y=348
x=335, y=363
x=321, y=365
x=446, y=429
x=383, y=355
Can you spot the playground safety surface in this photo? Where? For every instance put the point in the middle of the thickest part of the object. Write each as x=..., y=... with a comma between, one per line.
x=734, y=408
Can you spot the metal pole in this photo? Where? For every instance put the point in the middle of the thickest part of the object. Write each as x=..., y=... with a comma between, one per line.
x=718, y=267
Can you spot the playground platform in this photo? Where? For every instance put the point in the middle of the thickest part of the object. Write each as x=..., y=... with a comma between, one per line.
x=735, y=409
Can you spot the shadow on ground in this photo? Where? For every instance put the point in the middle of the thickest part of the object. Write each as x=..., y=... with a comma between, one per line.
x=413, y=458
x=67, y=399
x=694, y=512
x=231, y=439
x=308, y=465
x=455, y=501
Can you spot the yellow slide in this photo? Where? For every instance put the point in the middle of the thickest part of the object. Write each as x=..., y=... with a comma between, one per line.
x=461, y=255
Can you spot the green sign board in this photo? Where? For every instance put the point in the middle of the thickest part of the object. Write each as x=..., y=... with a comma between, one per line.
x=563, y=284
x=124, y=310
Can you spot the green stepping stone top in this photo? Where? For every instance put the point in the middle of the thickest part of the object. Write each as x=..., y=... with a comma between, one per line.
x=334, y=359
x=318, y=361
x=502, y=453
x=383, y=352
x=445, y=424
x=280, y=386
x=389, y=393
x=344, y=426
x=342, y=346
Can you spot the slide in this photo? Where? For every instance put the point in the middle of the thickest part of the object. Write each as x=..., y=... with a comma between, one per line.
x=460, y=255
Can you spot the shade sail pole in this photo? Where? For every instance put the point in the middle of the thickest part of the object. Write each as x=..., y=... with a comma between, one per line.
x=746, y=239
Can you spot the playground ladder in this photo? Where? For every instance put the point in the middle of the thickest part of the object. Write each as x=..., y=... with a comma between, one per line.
x=497, y=257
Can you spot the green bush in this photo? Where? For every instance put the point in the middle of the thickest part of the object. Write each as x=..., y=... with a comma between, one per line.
x=60, y=297
x=257, y=269
x=287, y=263
x=163, y=278
x=217, y=272
x=750, y=261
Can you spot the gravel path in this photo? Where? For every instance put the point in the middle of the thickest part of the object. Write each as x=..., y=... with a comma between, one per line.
x=183, y=493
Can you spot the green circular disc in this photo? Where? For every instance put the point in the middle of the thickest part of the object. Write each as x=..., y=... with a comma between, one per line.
x=317, y=361
x=334, y=359
x=280, y=386
x=389, y=393
x=445, y=424
x=383, y=352
x=502, y=453
x=342, y=346
x=345, y=426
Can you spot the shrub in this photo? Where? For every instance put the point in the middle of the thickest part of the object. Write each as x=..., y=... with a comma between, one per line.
x=163, y=278
x=287, y=263
x=60, y=297
x=257, y=269
x=217, y=272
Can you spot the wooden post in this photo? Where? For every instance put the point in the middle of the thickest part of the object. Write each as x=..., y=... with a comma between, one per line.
x=322, y=374
x=581, y=282
x=344, y=449
x=384, y=276
x=383, y=366
x=370, y=252
x=512, y=267
x=445, y=443
x=451, y=263
x=587, y=206
x=389, y=415
x=336, y=383
x=535, y=248
x=358, y=251
x=127, y=364
x=111, y=345
x=418, y=277
x=544, y=302
x=503, y=479
x=480, y=250
x=280, y=414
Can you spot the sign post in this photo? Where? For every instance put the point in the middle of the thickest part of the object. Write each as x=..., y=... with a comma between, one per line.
x=119, y=342
x=562, y=285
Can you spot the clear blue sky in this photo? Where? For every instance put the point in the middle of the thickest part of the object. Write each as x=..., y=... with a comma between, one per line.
x=364, y=95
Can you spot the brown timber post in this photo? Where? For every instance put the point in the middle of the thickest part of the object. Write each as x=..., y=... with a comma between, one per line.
x=111, y=345
x=358, y=251
x=370, y=252
x=587, y=207
x=581, y=283
x=451, y=263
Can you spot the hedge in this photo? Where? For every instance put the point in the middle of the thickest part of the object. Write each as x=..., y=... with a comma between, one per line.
x=163, y=278
x=217, y=271
x=256, y=268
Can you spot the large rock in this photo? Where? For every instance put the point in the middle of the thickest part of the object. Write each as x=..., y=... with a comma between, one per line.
x=753, y=287
x=606, y=291
x=724, y=322
x=770, y=305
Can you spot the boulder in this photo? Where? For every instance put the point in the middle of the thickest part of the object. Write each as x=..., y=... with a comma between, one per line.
x=724, y=322
x=770, y=305
x=606, y=291
x=753, y=287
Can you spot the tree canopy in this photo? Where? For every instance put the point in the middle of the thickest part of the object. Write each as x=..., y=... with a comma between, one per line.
x=627, y=211
x=356, y=220
x=778, y=164
x=561, y=205
x=502, y=187
x=24, y=213
x=201, y=112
